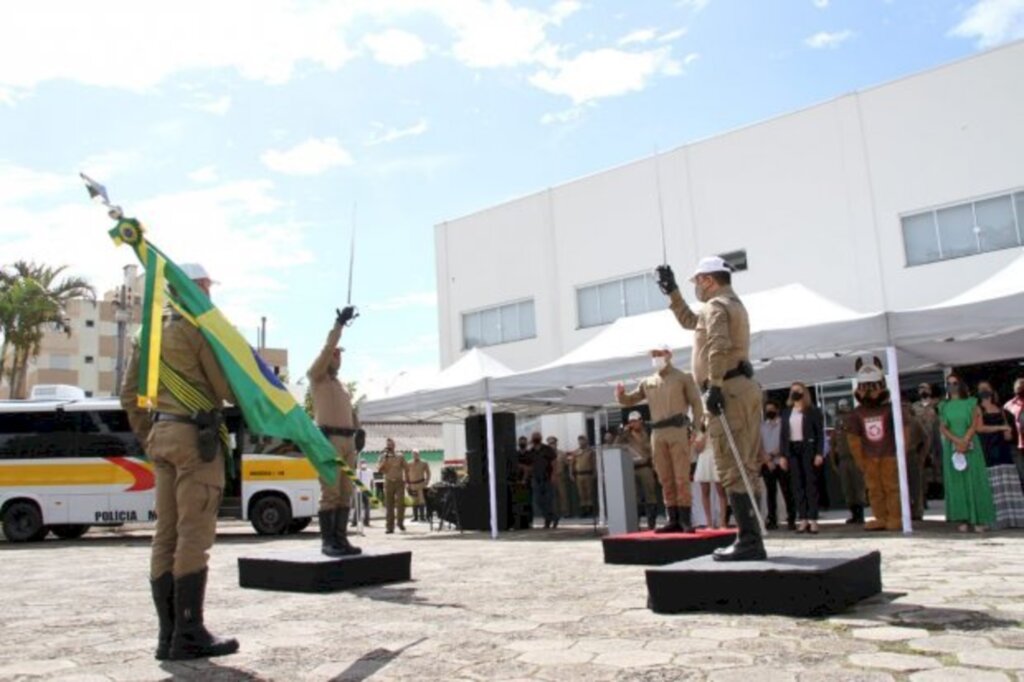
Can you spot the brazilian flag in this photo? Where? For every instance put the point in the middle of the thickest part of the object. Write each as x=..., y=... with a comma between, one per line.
x=268, y=407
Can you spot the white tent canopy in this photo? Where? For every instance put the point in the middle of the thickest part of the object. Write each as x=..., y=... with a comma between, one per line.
x=790, y=324
x=446, y=396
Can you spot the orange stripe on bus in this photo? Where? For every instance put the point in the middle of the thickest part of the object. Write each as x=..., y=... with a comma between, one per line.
x=85, y=473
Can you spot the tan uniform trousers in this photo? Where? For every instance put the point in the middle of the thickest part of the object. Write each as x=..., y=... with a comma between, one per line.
x=416, y=493
x=645, y=481
x=743, y=412
x=562, y=493
x=394, y=496
x=340, y=494
x=188, y=496
x=585, y=488
x=671, y=447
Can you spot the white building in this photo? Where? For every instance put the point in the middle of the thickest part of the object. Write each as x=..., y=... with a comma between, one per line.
x=895, y=196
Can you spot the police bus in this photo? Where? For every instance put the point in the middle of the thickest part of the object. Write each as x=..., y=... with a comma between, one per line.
x=68, y=464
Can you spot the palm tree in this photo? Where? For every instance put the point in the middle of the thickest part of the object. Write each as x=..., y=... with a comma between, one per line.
x=33, y=297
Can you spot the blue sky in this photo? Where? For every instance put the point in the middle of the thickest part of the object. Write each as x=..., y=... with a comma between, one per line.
x=243, y=133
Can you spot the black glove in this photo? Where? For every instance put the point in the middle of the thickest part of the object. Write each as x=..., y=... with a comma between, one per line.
x=346, y=315
x=666, y=279
x=715, y=401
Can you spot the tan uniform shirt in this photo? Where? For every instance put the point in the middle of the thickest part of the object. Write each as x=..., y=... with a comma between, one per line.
x=418, y=472
x=638, y=443
x=668, y=393
x=186, y=351
x=721, y=336
x=332, y=403
x=393, y=466
x=583, y=462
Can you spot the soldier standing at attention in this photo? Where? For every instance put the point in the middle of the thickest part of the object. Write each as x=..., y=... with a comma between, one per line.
x=721, y=366
x=583, y=469
x=635, y=438
x=188, y=464
x=671, y=395
x=418, y=473
x=332, y=409
x=393, y=467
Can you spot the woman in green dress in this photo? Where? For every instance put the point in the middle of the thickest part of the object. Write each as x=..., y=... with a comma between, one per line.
x=968, y=493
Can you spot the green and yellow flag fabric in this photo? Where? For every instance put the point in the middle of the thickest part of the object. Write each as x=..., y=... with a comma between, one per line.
x=268, y=407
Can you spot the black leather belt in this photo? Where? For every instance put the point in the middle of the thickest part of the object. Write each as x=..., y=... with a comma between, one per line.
x=676, y=420
x=638, y=467
x=743, y=369
x=422, y=480
x=579, y=473
x=171, y=417
x=337, y=431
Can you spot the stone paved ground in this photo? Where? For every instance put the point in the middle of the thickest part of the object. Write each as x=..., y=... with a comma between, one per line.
x=539, y=606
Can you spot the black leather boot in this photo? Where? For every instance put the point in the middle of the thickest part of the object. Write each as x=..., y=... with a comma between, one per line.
x=191, y=639
x=672, y=523
x=341, y=533
x=748, y=545
x=685, y=521
x=856, y=514
x=163, y=600
x=651, y=512
x=329, y=533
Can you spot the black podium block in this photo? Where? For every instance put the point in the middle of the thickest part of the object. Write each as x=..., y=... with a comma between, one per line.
x=653, y=549
x=307, y=570
x=792, y=585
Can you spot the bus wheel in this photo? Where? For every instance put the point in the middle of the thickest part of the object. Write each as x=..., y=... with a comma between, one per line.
x=23, y=522
x=70, y=531
x=270, y=515
x=299, y=525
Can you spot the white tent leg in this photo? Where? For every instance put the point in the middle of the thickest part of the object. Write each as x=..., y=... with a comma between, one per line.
x=901, y=445
x=491, y=482
x=602, y=499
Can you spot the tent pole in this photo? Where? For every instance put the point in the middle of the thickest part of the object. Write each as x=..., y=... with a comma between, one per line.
x=602, y=500
x=491, y=482
x=901, y=444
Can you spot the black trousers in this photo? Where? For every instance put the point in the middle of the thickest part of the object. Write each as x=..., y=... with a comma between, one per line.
x=803, y=480
x=773, y=480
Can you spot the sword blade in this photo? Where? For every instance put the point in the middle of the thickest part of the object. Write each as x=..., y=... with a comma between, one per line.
x=743, y=472
x=351, y=255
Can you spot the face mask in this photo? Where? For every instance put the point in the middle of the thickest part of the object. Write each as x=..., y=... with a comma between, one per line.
x=771, y=414
x=797, y=395
x=985, y=395
x=925, y=395
x=698, y=292
x=536, y=443
x=953, y=389
x=659, y=362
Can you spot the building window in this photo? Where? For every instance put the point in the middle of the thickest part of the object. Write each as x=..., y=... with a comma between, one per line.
x=90, y=323
x=60, y=361
x=500, y=324
x=88, y=359
x=598, y=304
x=88, y=394
x=964, y=229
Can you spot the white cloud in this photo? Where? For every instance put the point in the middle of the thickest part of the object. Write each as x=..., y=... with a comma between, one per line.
x=672, y=35
x=396, y=48
x=570, y=115
x=418, y=299
x=605, y=73
x=643, y=35
x=110, y=164
x=694, y=6
x=204, y=175
x=207, y=225
x=820, y=4
x=392, y=134
x=218, y=106
x=825, y=39
x=496, y=33
x=990, y=22
x=312, y=157
x=49, y=40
